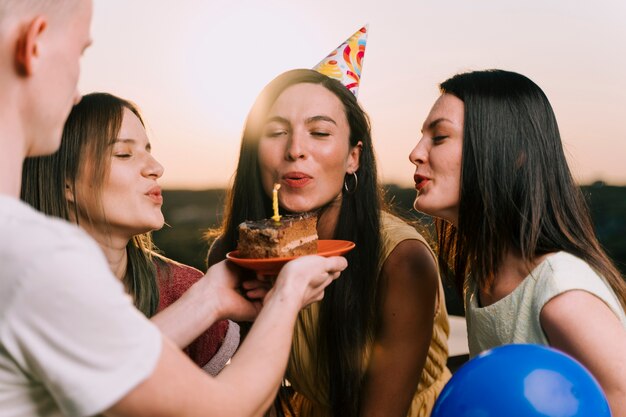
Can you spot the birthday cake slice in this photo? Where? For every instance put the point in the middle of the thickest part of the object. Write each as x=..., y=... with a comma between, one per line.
x=292, y=235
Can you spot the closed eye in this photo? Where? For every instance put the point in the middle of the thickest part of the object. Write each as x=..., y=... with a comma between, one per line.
x=320, y=134
x=437, y=139
x=276, y=133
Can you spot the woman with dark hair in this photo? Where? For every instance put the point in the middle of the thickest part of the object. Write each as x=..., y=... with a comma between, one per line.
x=514, y=229
x=377, y=343
x=104, y=179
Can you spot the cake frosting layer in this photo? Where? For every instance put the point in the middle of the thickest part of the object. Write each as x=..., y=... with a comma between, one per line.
x=292, y=235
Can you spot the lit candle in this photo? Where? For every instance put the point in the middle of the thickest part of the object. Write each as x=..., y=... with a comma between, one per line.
x=276, y=216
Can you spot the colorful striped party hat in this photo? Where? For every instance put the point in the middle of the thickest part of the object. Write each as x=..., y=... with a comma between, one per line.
x=345, y=62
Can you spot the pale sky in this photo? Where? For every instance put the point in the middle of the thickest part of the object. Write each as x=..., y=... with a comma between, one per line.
x=194, y=67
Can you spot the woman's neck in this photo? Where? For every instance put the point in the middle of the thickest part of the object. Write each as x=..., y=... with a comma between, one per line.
x=116, y=257
x=114, y=249
x=511, y=273
x=327, y=219
x=112, y=245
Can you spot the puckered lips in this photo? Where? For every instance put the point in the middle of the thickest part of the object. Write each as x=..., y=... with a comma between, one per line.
x=154, y=194
x=420, y=181
x=296, y=179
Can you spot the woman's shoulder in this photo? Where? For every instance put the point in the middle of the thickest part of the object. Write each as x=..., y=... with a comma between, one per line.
x=565, y=269
x=395, y=230
x=174, y=278
x=414, y=254
x=392, y=224
x=562, y=272
x=410, y=275
x=178, y=267
x=176, y=274
x=405, y=248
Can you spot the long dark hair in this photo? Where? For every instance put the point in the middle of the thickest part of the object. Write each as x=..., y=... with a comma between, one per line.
x=517, y=192
x=347, y=317
x=86, y=144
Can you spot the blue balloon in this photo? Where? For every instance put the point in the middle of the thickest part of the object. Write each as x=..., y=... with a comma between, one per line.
x=522, y=381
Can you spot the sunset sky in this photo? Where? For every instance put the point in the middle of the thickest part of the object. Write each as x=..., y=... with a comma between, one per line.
x=195, y=67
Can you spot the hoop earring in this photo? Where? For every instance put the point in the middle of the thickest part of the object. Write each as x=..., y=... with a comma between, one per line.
x=356, y=184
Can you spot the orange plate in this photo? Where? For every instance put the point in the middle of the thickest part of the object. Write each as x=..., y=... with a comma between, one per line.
x=272, y=266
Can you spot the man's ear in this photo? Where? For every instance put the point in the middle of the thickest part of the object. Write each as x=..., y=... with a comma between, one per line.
x=354, y=157
x=28, y=47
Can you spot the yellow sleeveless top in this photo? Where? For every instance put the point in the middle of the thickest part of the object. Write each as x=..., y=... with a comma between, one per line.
x=311, y=397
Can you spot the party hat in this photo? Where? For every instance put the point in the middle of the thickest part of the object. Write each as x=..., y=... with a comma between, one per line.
x=345, y=62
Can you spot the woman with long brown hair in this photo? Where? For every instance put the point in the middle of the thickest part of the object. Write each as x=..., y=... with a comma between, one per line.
x=105, y=179
x=513, y=226
x=377, y=343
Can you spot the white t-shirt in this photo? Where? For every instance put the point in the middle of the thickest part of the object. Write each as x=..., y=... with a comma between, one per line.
x=516, y=317
x=71, y=342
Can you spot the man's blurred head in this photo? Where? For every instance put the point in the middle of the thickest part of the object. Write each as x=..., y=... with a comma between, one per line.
x=41, y=43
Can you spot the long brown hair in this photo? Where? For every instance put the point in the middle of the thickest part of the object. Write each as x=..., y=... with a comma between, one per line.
x=517, y=192
x=86, y=145
x=350, y=301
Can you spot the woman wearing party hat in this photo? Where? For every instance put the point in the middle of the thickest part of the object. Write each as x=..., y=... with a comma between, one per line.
x=377, y=344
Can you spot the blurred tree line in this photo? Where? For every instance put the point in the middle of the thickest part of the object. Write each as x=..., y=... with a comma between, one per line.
x=189, y=214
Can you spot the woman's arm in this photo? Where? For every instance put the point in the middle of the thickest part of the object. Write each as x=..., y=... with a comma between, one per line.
x=408, y=286
x=248, y=385
x=583, y=326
